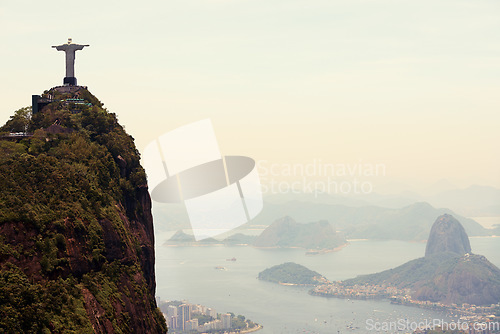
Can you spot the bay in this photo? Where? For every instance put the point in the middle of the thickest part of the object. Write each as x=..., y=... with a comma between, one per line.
x=188, y=273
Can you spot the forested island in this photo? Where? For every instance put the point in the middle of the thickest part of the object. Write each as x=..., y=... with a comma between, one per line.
x=291, y=273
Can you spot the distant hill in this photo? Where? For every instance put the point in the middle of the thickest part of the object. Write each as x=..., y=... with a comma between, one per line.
x=445, y=274
x=291, y=273
x=358, y=220
x=181, y=237
x=473, y=201
x=239, y=239
x=412, y=222
x=286, y=232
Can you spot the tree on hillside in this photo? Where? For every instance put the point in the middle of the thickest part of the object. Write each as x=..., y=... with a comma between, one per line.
x=19, y=122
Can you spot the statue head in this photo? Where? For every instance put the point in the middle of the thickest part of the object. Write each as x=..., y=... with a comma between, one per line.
x=70, y=40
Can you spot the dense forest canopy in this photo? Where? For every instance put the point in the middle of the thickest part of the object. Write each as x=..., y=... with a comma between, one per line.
x=72, y=199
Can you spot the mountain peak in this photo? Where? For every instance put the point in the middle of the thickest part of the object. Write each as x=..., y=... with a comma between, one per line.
x=447, y=235
x=76, y=229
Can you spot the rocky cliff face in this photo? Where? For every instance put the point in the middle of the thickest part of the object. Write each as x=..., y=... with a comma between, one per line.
x=76, y=230
x=447, y=235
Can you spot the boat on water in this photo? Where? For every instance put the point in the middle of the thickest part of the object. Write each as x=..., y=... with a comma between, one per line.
x=220, y=268
x=312, y=252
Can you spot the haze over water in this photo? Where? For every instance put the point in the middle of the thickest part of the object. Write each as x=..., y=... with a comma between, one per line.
x=188, y=273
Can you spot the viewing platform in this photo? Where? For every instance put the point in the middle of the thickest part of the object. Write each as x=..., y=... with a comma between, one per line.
x=16, y=136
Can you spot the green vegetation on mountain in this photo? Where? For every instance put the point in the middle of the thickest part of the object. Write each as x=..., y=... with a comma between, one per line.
x=29, y=307
x=285, y=232
x=445, y=277
x=19, y=122
x=291, y=273
x=76, y=245
x=446, y=274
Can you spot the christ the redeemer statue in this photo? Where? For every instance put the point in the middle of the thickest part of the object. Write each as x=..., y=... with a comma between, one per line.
x=70, y=50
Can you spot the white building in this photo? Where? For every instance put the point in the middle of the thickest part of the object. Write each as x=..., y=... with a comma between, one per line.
x=211, y=312
x=191, y=325
x=215, y=324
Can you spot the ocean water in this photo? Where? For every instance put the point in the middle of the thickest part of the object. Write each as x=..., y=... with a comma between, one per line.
x=487, y=222
x=188, y=273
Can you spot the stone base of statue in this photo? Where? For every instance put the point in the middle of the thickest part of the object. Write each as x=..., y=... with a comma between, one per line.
x=69, y=81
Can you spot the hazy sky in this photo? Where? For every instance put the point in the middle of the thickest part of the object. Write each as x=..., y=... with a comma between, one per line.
x=414, y=85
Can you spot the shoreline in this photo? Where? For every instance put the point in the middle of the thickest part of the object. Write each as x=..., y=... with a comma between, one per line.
x=354, y=297
x=292, y=284
x=450, y=309
x=328, y=250
x=250, y=330
x=191, y=245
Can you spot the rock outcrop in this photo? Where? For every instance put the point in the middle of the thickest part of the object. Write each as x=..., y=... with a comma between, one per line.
x=447, y=235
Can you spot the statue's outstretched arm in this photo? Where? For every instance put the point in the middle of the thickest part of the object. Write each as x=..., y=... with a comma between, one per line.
x=60, y=47
x=79, y=47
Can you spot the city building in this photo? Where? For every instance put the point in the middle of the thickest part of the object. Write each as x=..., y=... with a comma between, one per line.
x=226, y=320
x=211, y=312
x=172, y=322
x=191, y=325
x=172, y=311
x=184, y=315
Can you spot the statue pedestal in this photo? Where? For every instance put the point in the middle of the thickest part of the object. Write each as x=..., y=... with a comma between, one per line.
x=71, y=81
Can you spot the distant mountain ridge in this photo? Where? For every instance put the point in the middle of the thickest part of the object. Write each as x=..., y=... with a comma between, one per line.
x=412, y=222
x=357, y=220
x=472, y=201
